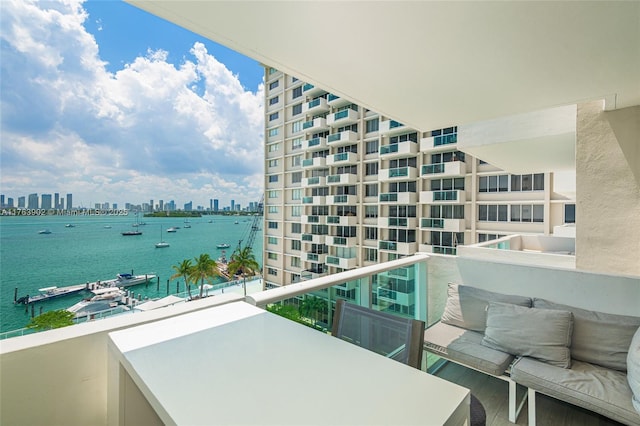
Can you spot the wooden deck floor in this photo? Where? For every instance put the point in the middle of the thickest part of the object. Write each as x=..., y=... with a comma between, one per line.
x=494, y=394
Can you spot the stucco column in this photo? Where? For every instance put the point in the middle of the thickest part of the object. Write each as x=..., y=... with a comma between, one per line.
x=608, y=189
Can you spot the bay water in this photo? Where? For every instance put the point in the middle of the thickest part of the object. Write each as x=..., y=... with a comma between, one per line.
x=94, y=249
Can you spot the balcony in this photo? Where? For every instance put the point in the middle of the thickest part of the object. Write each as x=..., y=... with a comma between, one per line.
x=313, y=219
x=342, y=220
x=400, y=149
x=342, y=199
x=342, y=179
x=392, y=128
x=312, y=91
x=315, y=144
x=397, y=198
x=316, y=258
x=397, y=222
x=313, y=181
x=440, y=170
x=392, y=296
x=316, y=200
x=340, y=262
x=316, y=125
x=316, y=106
x=343, y=158
x=313, y=238
x=398, y=247
x=346, y=117
x=428, y=144
x=398, y=173
x=443, y=197
x=335, y=101
x=450, y=225
x=314, y=163
x=346, y=137
x=342, y=241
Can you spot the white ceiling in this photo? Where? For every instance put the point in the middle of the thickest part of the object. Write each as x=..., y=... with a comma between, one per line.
x=433, y=64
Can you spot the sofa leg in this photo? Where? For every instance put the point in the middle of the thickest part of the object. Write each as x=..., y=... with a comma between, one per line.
x=532, y=407
x=512, y=401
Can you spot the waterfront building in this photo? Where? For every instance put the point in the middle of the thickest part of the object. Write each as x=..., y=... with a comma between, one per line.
x=56, y=200
x=215, y=205
x=2, y=200
x=9, y=202
x=188, y=206
x=33, y=201
x=21, y=202
x=46, y=201
x=69, y=201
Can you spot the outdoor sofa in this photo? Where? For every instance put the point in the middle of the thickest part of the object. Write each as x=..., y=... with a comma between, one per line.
x=586, y=358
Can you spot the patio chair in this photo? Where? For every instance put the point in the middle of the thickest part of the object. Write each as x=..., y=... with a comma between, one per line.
x=395, y=337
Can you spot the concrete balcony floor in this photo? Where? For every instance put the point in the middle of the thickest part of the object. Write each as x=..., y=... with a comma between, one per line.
x=493, y=394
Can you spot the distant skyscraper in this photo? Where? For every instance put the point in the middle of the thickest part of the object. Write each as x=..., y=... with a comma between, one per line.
x=215, y=205
x=150, y=205
x=56, y=200
x=33, y=201
x=21, y=202
x=161, y=205
x=69, y=201
x=2, y=200
x=188, y=206
x=115, y=206
x=46, y=201
x=233, y=205
x=9, y=202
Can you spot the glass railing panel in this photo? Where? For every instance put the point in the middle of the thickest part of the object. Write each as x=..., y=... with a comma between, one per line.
x=341, y=114
x=387, y=149
x=334, y=137
x=445, y=139
x=313, y=103
x=341, y=241
x=398, y=221
x=307, y=86
x=340, y=198
x=333, y=179
x=429, y=169
x=388, y=245
x=331, y=260
x=332, y=97
x=307, y=162
x=393, y=124
x=314, y=142
x=333, y=219
x=399, y=172
x=445, y=195
x=432, y=223
x=313, y=219
x=307, y=237
x=307, y=200
x=313, y=180
x=389, y=196
x=343, y=156
x=307, y=124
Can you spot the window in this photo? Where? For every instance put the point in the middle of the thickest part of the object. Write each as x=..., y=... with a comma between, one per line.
x=295, y=261
x=372, y=125
x=296, y=144
x=296, y=228
x=370, y=233
x=296, y=109
x=272, y=70
x=273, y=225
x=296, y=126
x=271, y=271
x=273, y=178
x=296, y=194
x=273, y=100
x=273, y=132
x=272, y=240
x=527, y=213
x=493, y=213
x=569, y=213
x=297, y=92
x=296, y=211
x=371, y=190
x=372, y=147
x=413, y=137
x=274, y=84
x=296, y=244
x=296, y=177
x=273, y=163
x=273, y=209
x=273, y=116
x=370, y=255
x=527, y=182
x=538, y=182
x=370, y=211
x=294, y=79
x=272, y=256
x=296, y=160
x=272, y=194
x=371, y=169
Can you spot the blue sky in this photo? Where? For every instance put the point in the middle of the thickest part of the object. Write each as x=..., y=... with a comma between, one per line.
x=113, y=104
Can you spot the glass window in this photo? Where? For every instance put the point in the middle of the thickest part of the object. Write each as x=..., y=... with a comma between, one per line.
x=273, y=209
x=273, y=178
x=492, y=213
x=296, y=109
x=272, y=256
x=371, y=211
x=515, y=183
x=538, y=182
x=502, y=213
x=296, y=126
x=297, y=92
x=483, y=212
x=273, y=100
x=272, y=194
x=538, y=213
x=503, y=183
x=273, y=132
x=271, y=271
x=371, y=190
x=526, y=213
x=515, y=213
x=272, y=240
x=296, y=194
x=569, y=213
x=274, y=84
x=372, y=125
x=483, y=185
x=296, y=228
x=273, y=225
x=296, y=211
x=527, y=183
x=372, y=147
x=371, y=169
x=296, y=177
x=273, y=116
x=273, y=163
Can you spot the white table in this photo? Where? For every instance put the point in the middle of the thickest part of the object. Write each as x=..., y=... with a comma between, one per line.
x=238, y=364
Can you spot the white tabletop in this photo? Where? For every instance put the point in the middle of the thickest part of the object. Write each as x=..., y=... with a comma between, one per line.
x=238, y=364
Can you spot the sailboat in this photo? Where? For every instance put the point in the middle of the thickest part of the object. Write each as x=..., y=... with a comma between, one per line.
x=162, y=243
x=136, y=232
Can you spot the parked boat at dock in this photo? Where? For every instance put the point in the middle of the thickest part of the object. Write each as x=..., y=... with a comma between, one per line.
x=104, y=299
x=50, y=293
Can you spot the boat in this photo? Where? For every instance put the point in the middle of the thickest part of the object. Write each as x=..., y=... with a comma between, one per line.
x=69, y=225
x=126, y=280
x=161, y=244
x=223, y=246
x=107, y=227
x=129, y=233
x=50, y=293
x=187, y=224
x=172, y=229
x=44, y=231
x=104, y=299
x=236, y=222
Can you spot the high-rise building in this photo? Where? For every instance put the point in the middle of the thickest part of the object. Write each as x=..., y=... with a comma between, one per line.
x=33, y=201
x=69, y=201
x=150, y=205
x=56, y=200
x=215, y=205
x=188, y=206
x=233, y=205
x=9, y=202
x=161, y=205
x=347, y=187
x=2, y=200
x=46, y=201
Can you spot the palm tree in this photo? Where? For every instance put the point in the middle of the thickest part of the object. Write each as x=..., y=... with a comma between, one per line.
x=204, y=269
x=183, y=270
x=244, y=262
x=311, y=306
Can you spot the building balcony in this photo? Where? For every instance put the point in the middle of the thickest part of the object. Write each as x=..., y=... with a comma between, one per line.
x=392, y=128
x=443, y=197
x=400, y=149
x=314, y=163
x=316, y=125
x=398, y=198
x=312, y=91
x=440, y=170
x=340, y=262
x=342, y=241
x=315, y=144
x=398, y=247
x=346, y=117
x=450, y=225
x=397, y=222
x=313, y=238
x=342, y=199
x=396, y=297
x=346, y=137
x=398, y=173
x=432, y=142
x=315, y=257
x=335, y=101
x=316, y=200
x=343, y=158
x=342, y=220
x=316, y=106
x=428, y=248
x=313, y=181
x=342, y=179
x=313, y=219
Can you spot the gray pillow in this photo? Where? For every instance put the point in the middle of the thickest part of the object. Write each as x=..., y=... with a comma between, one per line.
x=598, y=338
x=466, y=306
x=633, y=369
x=544, y=334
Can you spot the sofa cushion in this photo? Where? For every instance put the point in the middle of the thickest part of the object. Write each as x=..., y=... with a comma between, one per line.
x=590, y=386
x=465, y=347
x=466, y=306
x=633, y=369
x=544, y=334
x=598, y=338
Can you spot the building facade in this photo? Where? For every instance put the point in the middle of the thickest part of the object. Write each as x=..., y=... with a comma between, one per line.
x=346, y=187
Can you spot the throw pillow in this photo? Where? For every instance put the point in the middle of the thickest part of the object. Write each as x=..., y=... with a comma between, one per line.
x=633, y=370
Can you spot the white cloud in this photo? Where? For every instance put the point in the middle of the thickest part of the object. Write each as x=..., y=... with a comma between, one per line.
x=152, y=129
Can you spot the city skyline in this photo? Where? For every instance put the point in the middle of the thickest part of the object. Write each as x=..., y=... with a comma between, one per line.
x=103, y=100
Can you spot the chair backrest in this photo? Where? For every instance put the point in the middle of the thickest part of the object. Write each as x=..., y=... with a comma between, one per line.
x=389, y=335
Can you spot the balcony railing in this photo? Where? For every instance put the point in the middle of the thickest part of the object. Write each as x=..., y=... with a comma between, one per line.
x=430, y=169
x=432, y=223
